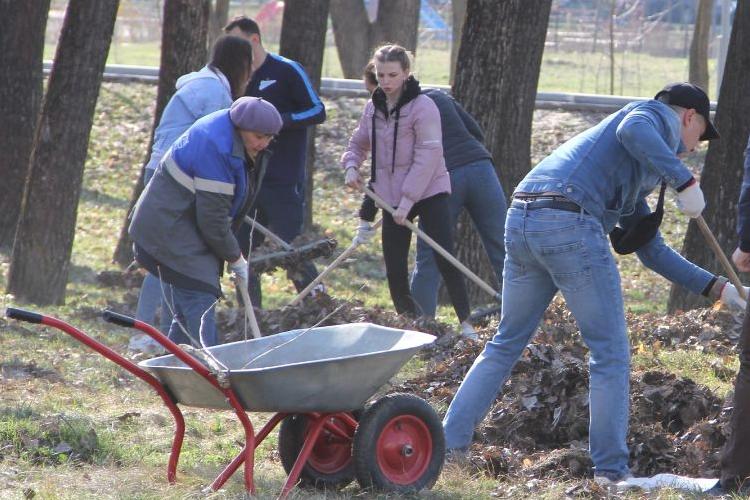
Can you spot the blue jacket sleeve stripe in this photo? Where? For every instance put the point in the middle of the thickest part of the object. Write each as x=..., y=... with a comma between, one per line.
x=176, y=172
x=317, y=104
x=212, y=186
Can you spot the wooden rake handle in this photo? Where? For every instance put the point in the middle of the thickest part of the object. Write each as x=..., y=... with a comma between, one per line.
x=711, y=239
x=333, y=265
x=435, y=246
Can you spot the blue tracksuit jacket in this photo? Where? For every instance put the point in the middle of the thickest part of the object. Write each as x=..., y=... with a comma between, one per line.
x=284, y=83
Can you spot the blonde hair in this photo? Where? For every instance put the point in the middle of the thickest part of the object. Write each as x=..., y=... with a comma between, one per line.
x=393, y=53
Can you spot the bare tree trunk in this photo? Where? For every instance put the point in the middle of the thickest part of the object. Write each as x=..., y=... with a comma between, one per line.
x=699, y=45
x=303, y=38
x=722, y=173
x=183, y=49
x=352, y=34
x=44, y=240
x=22, y=26
x=497, y=73
x=397, y=22
x=458, y=8
x=217, y=20
x=612, y=47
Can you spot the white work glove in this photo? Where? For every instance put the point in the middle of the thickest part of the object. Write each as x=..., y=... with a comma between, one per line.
x=353, y=179
x=731, y=297
x=690, y=200
x=239, y=268
x=365, y=232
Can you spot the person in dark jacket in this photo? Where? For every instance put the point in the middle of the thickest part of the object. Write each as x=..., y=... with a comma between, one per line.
x=182, y=225
x=735, y=459
x=281, y=200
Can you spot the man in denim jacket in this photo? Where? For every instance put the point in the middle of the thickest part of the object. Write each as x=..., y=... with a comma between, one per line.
x=556, y=239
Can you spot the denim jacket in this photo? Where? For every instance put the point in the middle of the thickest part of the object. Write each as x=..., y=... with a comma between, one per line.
x=610, y=169
x=198, y=94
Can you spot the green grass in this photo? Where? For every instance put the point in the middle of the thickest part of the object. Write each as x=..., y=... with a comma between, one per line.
x=685, y=363
x=584, y=72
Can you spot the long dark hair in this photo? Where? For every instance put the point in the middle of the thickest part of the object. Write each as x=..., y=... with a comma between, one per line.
x=233, y=56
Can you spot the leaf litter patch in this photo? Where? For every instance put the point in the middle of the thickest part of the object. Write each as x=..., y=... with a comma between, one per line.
x=539, y=426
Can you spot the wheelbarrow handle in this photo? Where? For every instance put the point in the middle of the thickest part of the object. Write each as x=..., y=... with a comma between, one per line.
x=23, y=315
x=118, y=319
x=711, y=239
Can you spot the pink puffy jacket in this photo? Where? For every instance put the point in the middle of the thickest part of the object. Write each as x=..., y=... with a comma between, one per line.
x=417, y=170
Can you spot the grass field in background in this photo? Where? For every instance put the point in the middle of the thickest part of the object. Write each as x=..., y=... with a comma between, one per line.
x=584, y=72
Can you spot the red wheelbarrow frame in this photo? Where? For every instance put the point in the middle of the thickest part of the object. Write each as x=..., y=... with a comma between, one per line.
x=318, y=421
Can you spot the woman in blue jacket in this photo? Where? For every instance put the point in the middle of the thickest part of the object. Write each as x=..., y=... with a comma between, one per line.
x=182, y=226
x=198, y=94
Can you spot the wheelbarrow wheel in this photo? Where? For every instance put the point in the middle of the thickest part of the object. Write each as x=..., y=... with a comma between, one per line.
x=330, y=465
x=399, y=445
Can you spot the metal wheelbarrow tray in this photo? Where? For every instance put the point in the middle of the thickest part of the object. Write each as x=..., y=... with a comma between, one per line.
x=325, y=369
x=317, y=380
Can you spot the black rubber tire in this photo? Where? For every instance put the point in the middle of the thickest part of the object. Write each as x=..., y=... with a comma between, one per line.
x=413, y=427
x=292, y=434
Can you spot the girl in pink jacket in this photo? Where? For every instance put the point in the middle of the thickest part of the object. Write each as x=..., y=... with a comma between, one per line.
x=402, y=130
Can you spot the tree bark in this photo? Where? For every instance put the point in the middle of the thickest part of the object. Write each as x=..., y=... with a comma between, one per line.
x=356, y=37
x=458, y=8
x=183, y=49
x=303, y=39
x=497, y=73
x=218, y=19
x=44, y=240
x=22, y=26
x=722, y=172
x=699, y=45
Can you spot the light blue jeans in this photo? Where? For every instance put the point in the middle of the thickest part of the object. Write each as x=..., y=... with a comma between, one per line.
x=476, y=188
x=193, y=310
x=153, y=292
x=550, y=250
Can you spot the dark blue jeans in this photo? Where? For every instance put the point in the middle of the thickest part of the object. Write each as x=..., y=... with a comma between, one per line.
x=281, y=210
x=194, y=311
x=476, y=188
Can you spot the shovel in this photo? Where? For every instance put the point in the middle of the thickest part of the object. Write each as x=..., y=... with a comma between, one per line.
x=711, y=239
x=435, y=246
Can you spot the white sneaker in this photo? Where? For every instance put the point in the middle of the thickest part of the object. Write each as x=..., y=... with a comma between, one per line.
x=605, y=482
x=467, y=331
x=143, y=343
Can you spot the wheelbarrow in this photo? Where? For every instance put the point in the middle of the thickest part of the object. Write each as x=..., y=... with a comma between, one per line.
x=317, y=381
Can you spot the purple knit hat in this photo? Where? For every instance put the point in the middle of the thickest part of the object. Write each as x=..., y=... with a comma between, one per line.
x=256, y=115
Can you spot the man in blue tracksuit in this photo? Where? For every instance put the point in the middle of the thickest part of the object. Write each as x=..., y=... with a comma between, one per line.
x=281, y=199
x=182, y=226
x=556, y=239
